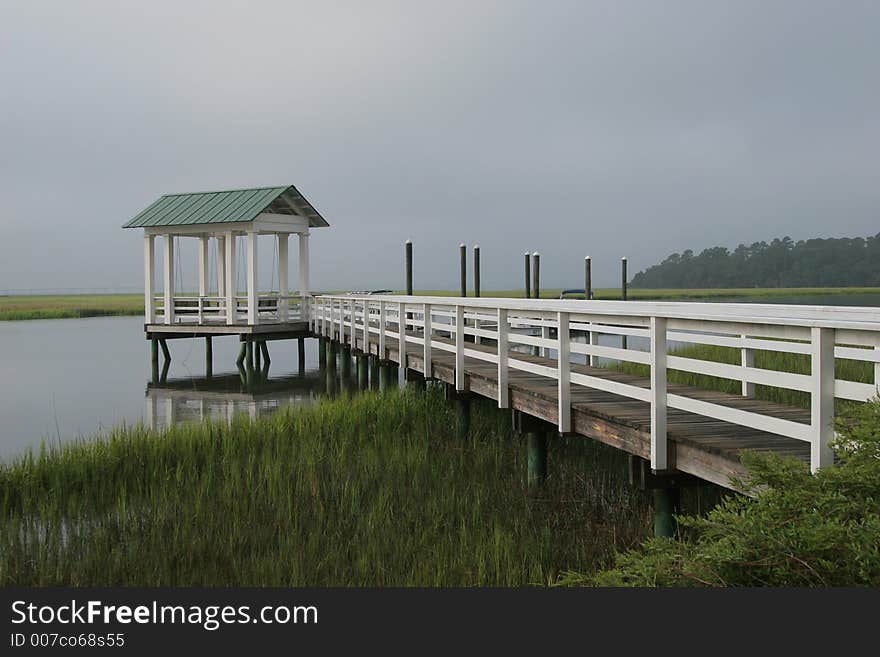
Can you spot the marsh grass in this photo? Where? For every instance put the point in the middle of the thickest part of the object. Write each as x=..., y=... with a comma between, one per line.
x=96, y=305
x=69, y=306
x=368, y=490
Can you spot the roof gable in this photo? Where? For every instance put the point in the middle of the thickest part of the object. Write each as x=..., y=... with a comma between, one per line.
x=237, y=205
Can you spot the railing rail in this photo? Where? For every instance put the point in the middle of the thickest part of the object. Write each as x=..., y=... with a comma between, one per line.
x=189, y=309
x=458, y=325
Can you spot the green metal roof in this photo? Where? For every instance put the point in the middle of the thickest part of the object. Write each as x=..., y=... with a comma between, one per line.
x=225, y=207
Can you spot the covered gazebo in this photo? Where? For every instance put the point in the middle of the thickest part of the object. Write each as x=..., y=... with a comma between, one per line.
x=216, y=220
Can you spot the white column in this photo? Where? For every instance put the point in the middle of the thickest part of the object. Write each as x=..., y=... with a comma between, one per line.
x=203, y=265
x=563, y=372
x=149, y=278
x=304, y=266
x=230, y=278
x=659, y=459
x=283, y=289
x=221, y=266
x=821, y=397
x=253, y=311
x=168, y=241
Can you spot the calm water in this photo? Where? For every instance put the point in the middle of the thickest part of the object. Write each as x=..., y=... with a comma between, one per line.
x=64, y=379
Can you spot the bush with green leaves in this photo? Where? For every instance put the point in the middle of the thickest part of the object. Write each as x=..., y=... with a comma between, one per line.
x=798, y=530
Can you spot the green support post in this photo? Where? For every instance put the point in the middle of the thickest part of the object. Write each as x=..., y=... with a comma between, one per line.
x=209, y=357
x=242, y=354
x=374, y=372
x=345, y=362
x=363, y=373
x=301, y=353
x=536, y=442
x=666, y=502
x=154, y=359
x=322, y=352
x=462, y=416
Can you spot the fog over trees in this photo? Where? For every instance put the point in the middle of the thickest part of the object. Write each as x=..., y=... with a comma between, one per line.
x=833, y=262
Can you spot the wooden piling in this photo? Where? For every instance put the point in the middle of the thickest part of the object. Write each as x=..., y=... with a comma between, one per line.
x=476, y=270
x=258, y=365
x=528, y=260
x=264, y=348
x=666, y=504
x=462, y=256
x=209, y=357
x=374, y=372
x=536, y=275
x=623, y=341
x=462, y=415
x=363, y=374
x=165, y=353
x=301, y=352
x=409, y=267
x=242, y=354
x=249, y=359
x=345, y=362
x=322, y=352
x=588, y=279
x=536, y=444
x=154, y=359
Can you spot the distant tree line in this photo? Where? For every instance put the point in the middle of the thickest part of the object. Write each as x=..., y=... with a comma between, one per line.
x=833, y=262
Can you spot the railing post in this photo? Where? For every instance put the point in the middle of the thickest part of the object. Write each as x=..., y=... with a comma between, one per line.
x=563, y=371
x=427, y=339
x=366, y=339
x=503, y=381
x=822, y=397
x=382, y=330
x=401, y=348
x=594, y=340
x=459, y=347
x=747, y=360
x=658, y=394
x=201, y=309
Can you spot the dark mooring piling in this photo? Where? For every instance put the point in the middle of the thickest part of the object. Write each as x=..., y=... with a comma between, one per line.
x=528, y=288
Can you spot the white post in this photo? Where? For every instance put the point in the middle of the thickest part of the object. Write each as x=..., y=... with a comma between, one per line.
x=822, y=397
x=283, y=290
x=169, y=279
x=401, y=326
x=352, y=336
x=149, y=278
x=203, y=265
x=594, y=340
x=563, y=371
x=221, y=266
x=382, y=330
x=366, y=337
x=231, y=310
x=545, y=334
x=304, y=264
x=503, y=383
x=747, y=360
x=429, y=371
x=253, y=300
x=658, y=394
x=459, y=348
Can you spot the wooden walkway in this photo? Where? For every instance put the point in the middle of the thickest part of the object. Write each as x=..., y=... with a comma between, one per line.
x=701, y=446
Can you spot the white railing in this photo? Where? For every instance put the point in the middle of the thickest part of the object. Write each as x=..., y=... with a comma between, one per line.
x=212, y=309
x=442, y=323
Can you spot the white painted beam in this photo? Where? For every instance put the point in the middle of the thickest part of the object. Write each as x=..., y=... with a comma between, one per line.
x=659, y=457
x=169, y=279
x=283, y=290
x=149, y=278
x=252, y=269
x=203, y=265
x=221, y=266
x=822, y=398
x=230, y=278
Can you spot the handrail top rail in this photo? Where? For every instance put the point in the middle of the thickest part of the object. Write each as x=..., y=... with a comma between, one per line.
x=860, y=318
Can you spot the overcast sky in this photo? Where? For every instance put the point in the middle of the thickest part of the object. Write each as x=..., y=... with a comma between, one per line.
x=572, y=128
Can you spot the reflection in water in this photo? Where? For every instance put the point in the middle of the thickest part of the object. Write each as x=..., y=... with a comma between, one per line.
x=253, y=392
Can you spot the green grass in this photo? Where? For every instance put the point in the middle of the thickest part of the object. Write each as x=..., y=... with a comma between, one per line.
x=95, y=305
x=368, y=490
x=67, y=306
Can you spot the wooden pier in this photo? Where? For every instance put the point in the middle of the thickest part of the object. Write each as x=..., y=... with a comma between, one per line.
x=486, y=347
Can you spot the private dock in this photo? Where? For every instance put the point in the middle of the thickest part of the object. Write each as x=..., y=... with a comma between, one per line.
x=546, y=360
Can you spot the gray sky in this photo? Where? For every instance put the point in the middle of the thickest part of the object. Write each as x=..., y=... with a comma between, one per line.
x=573, y=128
